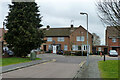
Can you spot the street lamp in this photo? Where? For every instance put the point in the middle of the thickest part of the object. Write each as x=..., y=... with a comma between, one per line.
x=87, y=37
x=82, y=44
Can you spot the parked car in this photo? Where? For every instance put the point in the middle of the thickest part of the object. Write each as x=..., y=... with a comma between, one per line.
x=113, y=53
x=10, y=53
x=60, y=52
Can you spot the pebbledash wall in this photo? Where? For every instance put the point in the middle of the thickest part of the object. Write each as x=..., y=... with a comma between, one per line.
x=70, y=42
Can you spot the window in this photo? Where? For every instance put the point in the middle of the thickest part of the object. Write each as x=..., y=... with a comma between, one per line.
x=65, y=47
x=60, y=39
x=99, y=48
x=74, y=47
x=113, y=40
x=50, y=47
x=49, y=39
x=80, y=38
x=85, y=47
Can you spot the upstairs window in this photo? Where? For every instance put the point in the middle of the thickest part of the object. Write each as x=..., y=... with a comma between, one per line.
x=61, y=39
x=80, y=38
x=49, y=39
x=113, y=39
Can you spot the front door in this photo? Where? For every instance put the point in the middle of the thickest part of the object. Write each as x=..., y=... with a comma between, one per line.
x=44, y=46
x=54, y=48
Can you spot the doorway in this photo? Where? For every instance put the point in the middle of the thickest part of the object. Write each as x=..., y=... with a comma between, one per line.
x=44, y=47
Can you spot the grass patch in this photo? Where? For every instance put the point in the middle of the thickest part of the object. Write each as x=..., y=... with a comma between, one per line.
x=15, y=60
x=108, y=69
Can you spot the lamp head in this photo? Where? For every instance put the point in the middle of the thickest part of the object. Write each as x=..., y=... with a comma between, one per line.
x=82, y=13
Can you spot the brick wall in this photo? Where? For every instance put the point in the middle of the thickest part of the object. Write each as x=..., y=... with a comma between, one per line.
x=81, y=32
x=66, y=42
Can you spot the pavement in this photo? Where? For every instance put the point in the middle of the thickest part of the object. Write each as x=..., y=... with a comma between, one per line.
x=92, y=71
x=22, y=65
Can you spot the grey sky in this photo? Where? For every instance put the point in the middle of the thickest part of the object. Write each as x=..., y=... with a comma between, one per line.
x=59, y=13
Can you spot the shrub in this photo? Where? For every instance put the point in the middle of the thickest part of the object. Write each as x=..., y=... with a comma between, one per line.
x=67, y=53
x=85, y=53
x=78, y=53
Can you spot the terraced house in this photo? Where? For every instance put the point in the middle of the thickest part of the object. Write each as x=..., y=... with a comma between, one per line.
x=113, y=39
x=67, y=39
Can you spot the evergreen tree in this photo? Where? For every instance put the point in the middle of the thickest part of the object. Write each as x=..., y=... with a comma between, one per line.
x=23, y=23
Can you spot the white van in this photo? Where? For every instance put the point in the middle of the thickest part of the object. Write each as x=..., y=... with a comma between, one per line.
x=113, y=53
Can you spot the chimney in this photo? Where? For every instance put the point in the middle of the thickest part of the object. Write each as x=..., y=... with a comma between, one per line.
x=48, y=27
x=71, y=26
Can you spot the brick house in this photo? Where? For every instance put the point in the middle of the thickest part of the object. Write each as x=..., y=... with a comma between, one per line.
x=113, y=39
x=67, y=39
x=2, y=32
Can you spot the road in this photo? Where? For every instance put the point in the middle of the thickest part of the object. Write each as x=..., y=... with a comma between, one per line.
x=63, y=67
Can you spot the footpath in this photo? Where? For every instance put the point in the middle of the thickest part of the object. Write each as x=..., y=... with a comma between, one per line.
x=22, y=65
x=92, y=71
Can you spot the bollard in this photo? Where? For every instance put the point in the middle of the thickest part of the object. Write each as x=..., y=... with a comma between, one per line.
x=104, y=57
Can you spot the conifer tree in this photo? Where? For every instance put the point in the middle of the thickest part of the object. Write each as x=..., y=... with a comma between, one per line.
x=23, y=23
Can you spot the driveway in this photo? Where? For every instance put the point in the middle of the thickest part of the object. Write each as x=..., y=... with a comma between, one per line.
x=63, y=67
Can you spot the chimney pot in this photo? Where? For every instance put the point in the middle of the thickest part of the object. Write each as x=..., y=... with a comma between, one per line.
x=71, y=25
x=48, y=26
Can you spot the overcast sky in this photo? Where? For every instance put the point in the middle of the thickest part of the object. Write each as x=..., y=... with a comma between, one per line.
x=59, y=13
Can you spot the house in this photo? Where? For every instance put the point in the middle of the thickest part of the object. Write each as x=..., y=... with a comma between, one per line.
x=67, y=39
x=2, y=32
x=113, y=39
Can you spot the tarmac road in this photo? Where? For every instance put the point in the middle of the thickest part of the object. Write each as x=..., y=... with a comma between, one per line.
x=63, y=67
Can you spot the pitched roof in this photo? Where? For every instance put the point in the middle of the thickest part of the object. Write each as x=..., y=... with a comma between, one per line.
x=113, y=32
x=53, y=32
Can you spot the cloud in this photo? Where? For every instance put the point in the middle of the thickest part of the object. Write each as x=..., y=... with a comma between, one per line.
x=59, y=13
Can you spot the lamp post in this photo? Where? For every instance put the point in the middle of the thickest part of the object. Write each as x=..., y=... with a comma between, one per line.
x=82, y=45
x=87, y=37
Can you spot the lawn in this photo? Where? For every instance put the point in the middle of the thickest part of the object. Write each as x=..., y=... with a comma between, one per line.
x=15, y=60
x=108, y=69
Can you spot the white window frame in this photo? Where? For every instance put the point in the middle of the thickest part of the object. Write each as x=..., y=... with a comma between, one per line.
x=65, y=47
x=113, y=39
x=75, y=47
x=80, y=38
x=49, y=39
x=60, y=39
x=99, y=48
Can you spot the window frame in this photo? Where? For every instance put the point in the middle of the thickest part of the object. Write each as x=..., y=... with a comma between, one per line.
x=60, y=39
x=49, y=39
x=114, y=40
x=65, y=47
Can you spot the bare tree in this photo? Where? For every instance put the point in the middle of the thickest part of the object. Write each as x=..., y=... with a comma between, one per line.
x=109, y=12
x=96, y=39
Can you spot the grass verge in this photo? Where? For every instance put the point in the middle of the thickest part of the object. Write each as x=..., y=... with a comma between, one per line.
x=108, y=68
x=15, y=60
